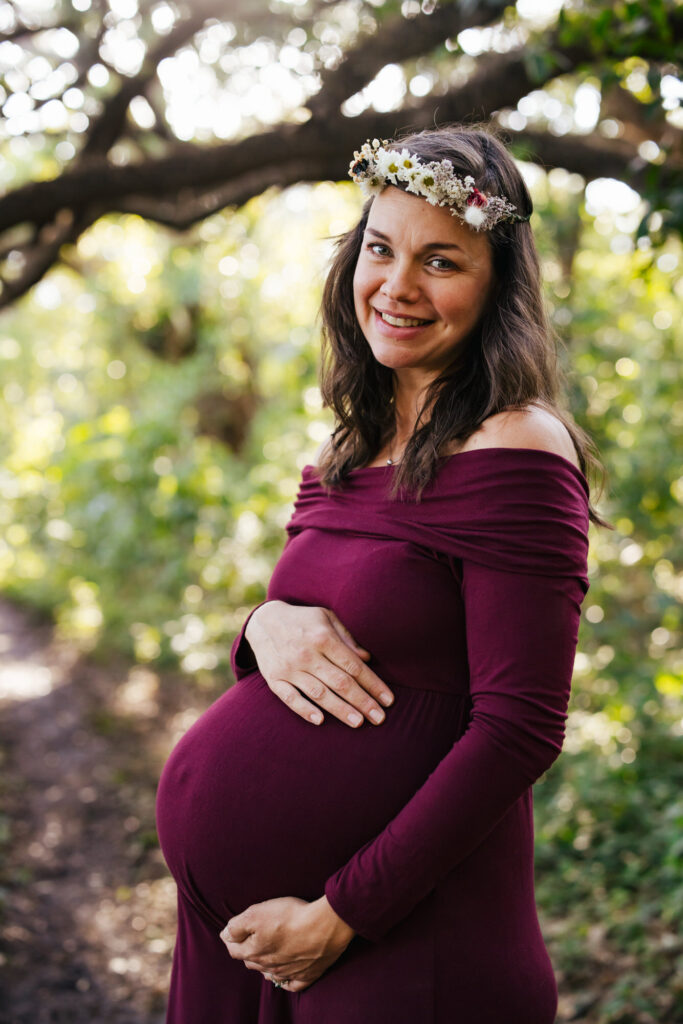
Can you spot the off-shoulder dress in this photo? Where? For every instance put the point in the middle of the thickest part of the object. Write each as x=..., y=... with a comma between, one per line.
x=420, y=830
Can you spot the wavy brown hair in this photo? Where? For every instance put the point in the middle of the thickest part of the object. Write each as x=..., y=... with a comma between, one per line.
x=507, y=361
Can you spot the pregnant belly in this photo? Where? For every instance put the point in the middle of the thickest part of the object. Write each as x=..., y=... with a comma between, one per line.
x=254, y=802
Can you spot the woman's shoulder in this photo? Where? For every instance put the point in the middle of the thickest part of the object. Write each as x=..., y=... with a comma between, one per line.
x=531, y=427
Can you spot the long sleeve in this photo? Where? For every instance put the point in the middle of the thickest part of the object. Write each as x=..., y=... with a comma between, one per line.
x=242, y=660
x=521, y=632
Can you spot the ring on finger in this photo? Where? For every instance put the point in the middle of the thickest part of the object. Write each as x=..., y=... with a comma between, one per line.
x=276, y=983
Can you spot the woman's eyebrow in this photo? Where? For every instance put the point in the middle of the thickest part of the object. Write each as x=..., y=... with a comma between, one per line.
x=430, y=245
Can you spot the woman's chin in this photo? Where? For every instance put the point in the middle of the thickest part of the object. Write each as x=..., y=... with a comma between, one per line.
x=395, y=356
x=398, y=361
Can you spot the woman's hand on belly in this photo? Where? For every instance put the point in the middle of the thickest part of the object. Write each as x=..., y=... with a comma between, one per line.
x=288, y=939
x=301, y=649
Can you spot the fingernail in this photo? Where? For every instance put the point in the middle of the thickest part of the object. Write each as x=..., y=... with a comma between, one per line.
x=354, y=718
x=316, y=718
x=377, y=716
x=386, y=698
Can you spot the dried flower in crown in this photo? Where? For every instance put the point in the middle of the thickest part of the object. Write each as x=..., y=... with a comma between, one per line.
x=374, y=167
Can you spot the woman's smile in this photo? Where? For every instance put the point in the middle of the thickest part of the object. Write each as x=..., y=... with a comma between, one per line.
x=395, y=325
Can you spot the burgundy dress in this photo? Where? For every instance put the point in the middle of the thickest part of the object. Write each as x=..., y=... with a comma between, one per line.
x=419, y=830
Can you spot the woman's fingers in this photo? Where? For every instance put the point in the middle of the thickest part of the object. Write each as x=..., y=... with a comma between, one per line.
x=330, y=689
x=320, y=688
x=293, y=699
x=349, y=677
x=292, y=694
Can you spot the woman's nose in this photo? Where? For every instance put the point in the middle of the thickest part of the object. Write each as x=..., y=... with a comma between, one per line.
x=400, y=283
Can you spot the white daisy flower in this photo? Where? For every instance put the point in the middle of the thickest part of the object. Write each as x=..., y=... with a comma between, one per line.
x=387, y=163
x=372, y=186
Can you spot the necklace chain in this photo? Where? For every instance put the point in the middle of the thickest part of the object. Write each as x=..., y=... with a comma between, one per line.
x=393, y=462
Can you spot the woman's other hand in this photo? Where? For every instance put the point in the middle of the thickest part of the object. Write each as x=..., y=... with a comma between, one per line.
x=303, y=651
x=288, y=939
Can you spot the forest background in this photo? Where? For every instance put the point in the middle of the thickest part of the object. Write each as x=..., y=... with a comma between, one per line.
x=173, y=177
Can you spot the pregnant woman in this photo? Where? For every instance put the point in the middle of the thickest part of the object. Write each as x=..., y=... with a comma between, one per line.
x=379, y=870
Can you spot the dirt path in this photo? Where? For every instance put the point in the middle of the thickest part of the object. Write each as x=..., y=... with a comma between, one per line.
x=87, y=909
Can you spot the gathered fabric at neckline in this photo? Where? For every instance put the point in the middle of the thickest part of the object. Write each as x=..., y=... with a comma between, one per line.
x=515, y=509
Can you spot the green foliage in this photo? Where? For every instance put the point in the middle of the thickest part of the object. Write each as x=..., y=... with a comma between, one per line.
x=609, y=813
x=136, y=531
x=646, y=27
x=631, y=41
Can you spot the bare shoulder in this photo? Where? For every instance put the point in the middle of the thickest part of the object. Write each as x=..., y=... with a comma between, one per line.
x=533, y=427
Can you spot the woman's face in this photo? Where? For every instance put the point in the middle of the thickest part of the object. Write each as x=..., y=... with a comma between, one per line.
x=421, y=282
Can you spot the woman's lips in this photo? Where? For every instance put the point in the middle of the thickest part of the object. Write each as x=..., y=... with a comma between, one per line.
x=394, y=331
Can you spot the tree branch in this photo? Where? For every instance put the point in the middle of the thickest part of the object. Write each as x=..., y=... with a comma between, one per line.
x=499, y=80
x=107, y=128
x=39, y=258
x=587, y=155
x=398, y=41
x=581, y=154
x=191, y=206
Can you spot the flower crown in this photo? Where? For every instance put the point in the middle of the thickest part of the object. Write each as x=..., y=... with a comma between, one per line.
x=373, y=167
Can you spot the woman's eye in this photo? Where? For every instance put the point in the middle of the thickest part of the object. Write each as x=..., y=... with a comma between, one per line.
x=441, y=263
x=373, y=246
